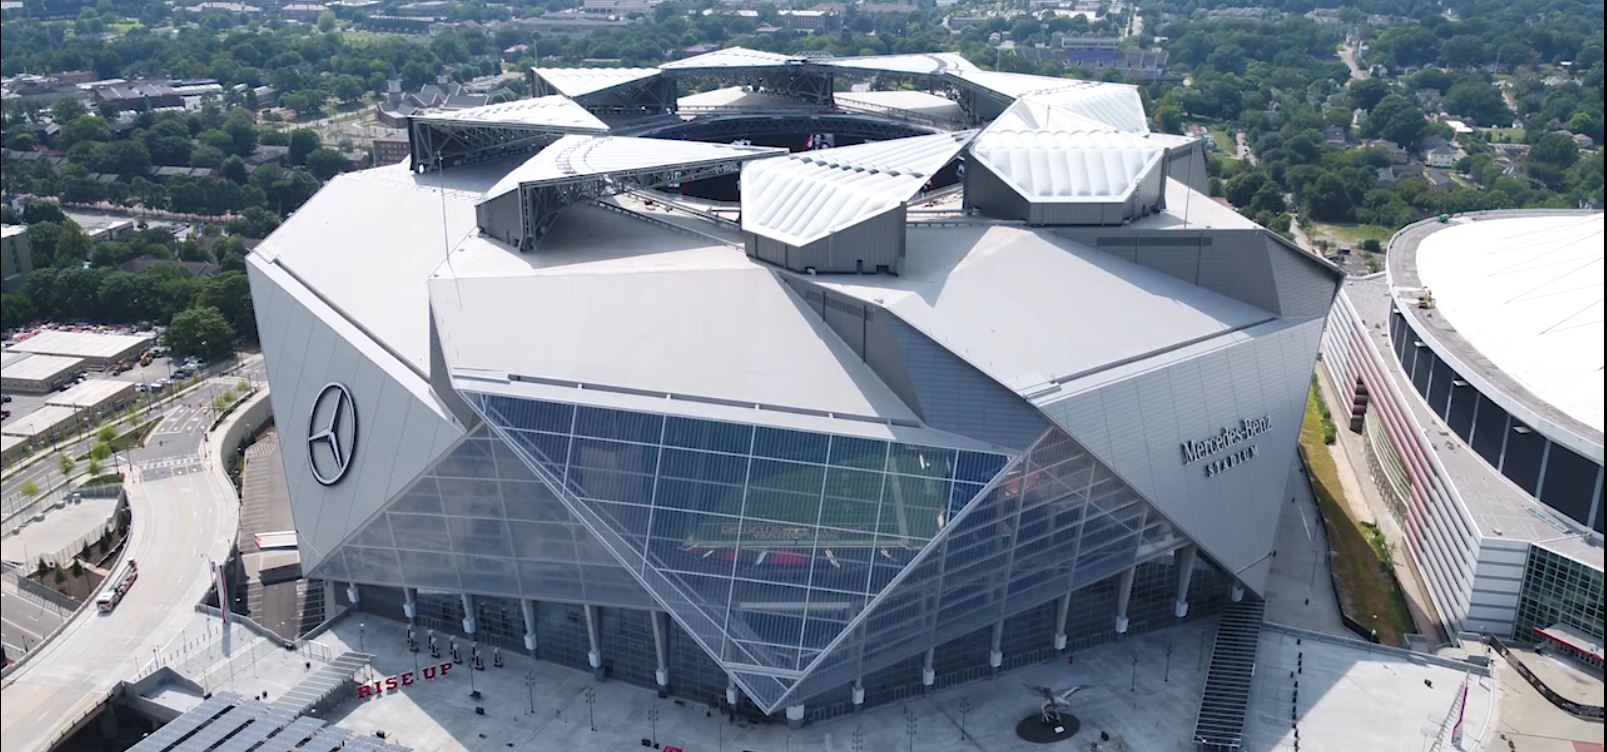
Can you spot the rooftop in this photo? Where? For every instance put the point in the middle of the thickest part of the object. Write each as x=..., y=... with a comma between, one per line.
x=42, y=421
x=30, y=367
x=80, y=344
x=91, y=393
x=1520, y=299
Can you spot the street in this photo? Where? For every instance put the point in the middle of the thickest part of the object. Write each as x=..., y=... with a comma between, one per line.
x=26, y=620
x=181, y=522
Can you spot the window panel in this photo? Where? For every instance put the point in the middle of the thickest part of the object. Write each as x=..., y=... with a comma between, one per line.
x=471, y=497
x=790, y=445
x=618, y=424
x=420, y=531
x=479, y=535
x=707, y=467
x=547, y=542
x=706, y=434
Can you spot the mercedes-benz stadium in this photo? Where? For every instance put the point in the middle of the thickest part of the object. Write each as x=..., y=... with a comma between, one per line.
x=793, y=384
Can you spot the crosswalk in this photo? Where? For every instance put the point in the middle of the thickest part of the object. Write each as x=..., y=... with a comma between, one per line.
x=168, y=467
x=182, y=419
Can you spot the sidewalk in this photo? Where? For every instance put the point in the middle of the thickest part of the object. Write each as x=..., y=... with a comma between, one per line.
x=1366, y=504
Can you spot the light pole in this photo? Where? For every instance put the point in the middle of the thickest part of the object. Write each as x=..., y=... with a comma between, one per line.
x=530, y=684
x=1133, y=687
x=1168, y=677
x=858, y=741
x=965, y=708
x=909, y=726
x=652, y=717
x=591, y=706
x=362, y=631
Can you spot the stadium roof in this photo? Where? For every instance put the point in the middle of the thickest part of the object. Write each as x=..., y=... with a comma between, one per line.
x=735, y=96
x=730, y=57
x=573, y=157
x=1004, y=299
x=1115, y=105
x=926, y=65
x=1016, y=85
x=809, y=195
x=552, y=112
x=1054, y=165
x=1526, y=292
x=578, y=82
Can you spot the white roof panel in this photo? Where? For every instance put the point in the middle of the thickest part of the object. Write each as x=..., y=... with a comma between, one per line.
x=369, y=240
x=1046, y=165
x=556, y=112
x=1116, y=105
x=928, y=65
x=676, y=314
x=1527, y=292
x=803, y=197
x=919, y=102
x=730, y=57
x=579, y=156
x=578, y=82
x=735, y=96
x=1015, y=85
x=1027, y=307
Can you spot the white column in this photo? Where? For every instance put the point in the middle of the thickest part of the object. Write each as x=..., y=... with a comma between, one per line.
x=527, y=608
x=995, y=655
x=410, y=603
x=661, y=645
x=594, y=657
x=1061, y=610
x=1185, y=571
x=1237, y=594
x=928, y=674
x=352, y=593
x=471, y=624
x=732, y=694
x=795, y=715
x=858, y=695
x=1124, y=594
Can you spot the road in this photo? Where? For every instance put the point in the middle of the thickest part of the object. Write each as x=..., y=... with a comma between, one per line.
x=27, y=620
x=1347, y=54
x=181, y=521
x=1243, y=143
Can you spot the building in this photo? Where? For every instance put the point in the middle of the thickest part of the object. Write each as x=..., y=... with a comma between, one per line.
x=306, y=12
x=36, y=374
x=1443, y=156
x=95, y=397
x=97, y=349
x=618, y=7
x=16, y=257
x=45, y=424
x=1477, y=387
x=137, y=96
x=389, y=151
x=782, y=461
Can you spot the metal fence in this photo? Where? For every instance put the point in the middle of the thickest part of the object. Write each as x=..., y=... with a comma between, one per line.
x=64, y=556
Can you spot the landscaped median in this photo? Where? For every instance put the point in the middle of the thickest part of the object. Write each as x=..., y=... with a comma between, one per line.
x=1369, y=596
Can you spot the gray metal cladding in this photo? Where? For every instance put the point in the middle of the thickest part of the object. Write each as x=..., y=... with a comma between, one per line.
x=1235, y=263
x=1187, y=165
x=502, y=218
x=1306, y=287
x=307, y=346
x=876, y=243
x=956, y=397
x=988, y=194
x=1226, y=501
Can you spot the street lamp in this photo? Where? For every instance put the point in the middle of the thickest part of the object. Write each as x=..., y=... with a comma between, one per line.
x=1134, y=686
x=530, y=685
x=909, y=726
x=652, y=717
x=965, y=708
x=591, y=705
x=362, y=630
x=1168, y=677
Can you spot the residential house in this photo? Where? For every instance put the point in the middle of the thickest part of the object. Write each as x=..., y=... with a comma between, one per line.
x=1394, y=173
x=1444, y=156
x=1439, y=181
x=1335, y=136
x=389, y=151
x=1397, y=155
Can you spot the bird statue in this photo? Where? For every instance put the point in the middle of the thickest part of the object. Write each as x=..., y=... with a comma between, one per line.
x=1054, y=700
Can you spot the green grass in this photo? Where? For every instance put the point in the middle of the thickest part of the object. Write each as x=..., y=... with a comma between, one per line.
x=123, y=27
x=1351, y=235
x=1505, y=135
x=1225, y=144
x=131, y=439
x=860, y=506
x=1368, y=591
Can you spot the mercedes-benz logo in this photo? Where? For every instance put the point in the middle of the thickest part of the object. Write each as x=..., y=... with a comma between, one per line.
x=331, y=434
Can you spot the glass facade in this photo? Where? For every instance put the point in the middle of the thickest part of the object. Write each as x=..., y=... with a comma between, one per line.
x=1558, y=590
x=796, y=562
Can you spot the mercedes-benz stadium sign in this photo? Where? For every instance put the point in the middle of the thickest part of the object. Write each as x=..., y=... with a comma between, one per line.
x=1228, y=438
x=331, y=434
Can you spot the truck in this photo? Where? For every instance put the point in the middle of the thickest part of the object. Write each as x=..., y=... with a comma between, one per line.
x=117, y=586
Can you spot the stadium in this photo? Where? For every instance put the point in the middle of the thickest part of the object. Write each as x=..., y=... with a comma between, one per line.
x=1472, y=368
x=793, y=385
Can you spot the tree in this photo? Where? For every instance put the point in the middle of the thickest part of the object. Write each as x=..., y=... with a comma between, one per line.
x=29, y=489
x=202, y=332
x=127, y=158
x=1397, y=119
x=85, y=129
x=234, y=168
x=302, y=143
x=72, y=245
x=1479, y=101
x=96, y=466
x=67, y=110
x=1462, y=51
x=1242, y=188
x=65, y=464
x=106, y=434
x=326, y=22
x=1365, y=93
x=230, y=294
x=1326, y=200
x=346, y=88
x=325, y=163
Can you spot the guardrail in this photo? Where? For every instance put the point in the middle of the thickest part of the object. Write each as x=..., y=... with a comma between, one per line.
x=1579, y=710
x=1477, y=667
